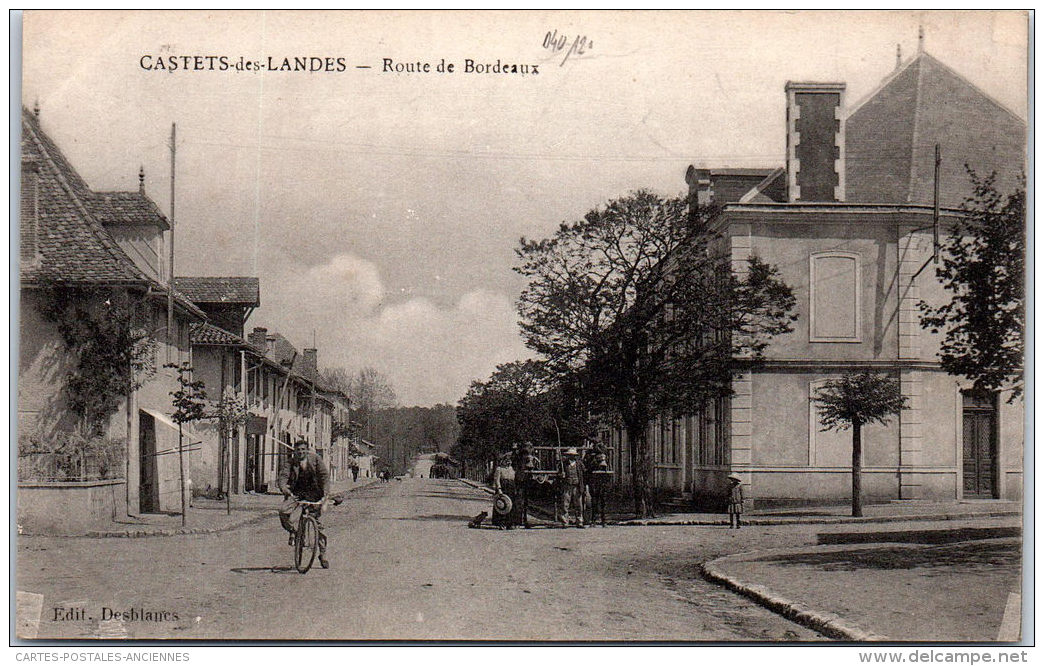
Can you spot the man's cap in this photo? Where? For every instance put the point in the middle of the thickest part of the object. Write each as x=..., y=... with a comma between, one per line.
x=300, y=442
x=571, y=452
x=735, y=478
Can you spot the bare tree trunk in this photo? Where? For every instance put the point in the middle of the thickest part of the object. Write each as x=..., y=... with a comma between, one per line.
x=641, y=469
x=857, y=470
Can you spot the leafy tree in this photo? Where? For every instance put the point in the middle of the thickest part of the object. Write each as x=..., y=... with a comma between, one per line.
x=855, y=400
x=511, y=406
x=231, y=413
x=370, y=391
x=983, y=265
x=404, y=432
x=104, y=327
x=190, y=404
x=638, y=301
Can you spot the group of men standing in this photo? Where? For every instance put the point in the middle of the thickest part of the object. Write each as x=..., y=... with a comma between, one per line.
x=577, y=480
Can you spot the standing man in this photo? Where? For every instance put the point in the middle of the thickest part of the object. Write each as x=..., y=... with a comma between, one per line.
x=303, y=477
x=573, y=487
x=524, y=463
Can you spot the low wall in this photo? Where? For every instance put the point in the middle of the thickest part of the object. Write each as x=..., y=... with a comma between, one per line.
x=69, y=507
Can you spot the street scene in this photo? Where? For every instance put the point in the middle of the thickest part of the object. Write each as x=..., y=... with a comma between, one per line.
x=707, y=330
x=405, y=566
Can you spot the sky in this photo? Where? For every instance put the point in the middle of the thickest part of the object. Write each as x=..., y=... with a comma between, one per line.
x=381, y=209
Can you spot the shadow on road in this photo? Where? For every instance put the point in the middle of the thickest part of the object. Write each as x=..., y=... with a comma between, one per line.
x=969, y=557
x=276, y=570
x=451, y=495
x=449, y=517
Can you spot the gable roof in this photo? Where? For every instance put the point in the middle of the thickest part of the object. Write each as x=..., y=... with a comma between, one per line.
x=126, y=208
x=890, y=138
x=233, y=290
x=71, y=245
x=204, y=333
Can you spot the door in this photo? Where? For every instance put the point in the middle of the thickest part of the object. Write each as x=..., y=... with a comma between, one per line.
x=253, y=471
x=980, y=445
x=148, y=484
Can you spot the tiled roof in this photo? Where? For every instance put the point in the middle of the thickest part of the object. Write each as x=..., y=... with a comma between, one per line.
x=240, y=290
x=283, y=350
x=126, y=208
x=72, y=246
x=890, y=138
x=208, y=334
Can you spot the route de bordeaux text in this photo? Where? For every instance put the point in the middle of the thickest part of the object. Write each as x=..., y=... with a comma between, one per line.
x=391, y=66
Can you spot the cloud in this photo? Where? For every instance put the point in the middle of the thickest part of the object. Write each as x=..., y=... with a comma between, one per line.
x=430, y=351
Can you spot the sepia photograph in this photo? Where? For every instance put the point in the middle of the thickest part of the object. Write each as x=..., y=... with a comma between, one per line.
x=527, y=327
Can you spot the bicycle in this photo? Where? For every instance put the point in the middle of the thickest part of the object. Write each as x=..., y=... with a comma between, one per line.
x=306, y=538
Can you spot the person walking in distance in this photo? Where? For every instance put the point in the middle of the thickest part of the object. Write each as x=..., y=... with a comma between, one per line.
x=303, y=477
x=735, y=502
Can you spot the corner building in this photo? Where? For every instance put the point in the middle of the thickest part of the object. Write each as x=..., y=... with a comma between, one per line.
x=848, y=220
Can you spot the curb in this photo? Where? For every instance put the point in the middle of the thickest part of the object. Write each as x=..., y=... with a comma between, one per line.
x=829, y=521
x=828, y=624
x=479, y=486
x=825, y=520
x=179, y=531
x=172, y=532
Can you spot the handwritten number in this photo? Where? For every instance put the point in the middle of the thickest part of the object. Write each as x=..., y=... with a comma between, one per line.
x=557, y=43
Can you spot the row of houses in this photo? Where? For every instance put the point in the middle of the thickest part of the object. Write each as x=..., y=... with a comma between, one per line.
x=97, y=436
x=848, y=220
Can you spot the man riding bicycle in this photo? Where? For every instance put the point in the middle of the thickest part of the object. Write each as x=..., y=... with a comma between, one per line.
x=303, y=477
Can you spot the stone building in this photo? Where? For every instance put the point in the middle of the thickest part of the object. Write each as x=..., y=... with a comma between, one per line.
x=105, y=250
x=848, y=220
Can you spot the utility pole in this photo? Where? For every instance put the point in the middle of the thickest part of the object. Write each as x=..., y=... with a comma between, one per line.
x=170, y=277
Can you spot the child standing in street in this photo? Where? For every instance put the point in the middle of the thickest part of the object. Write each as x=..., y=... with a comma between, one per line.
x=735, y=502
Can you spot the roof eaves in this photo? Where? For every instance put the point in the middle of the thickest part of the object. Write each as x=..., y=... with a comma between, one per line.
x=881, y=86
x=95, y=227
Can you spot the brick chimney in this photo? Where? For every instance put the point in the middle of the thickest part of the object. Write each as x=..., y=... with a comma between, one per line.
x=310, y=363
x=815, y=142
x=700, y=187
x=29, y=226
x=259, y=338
x=141, y=180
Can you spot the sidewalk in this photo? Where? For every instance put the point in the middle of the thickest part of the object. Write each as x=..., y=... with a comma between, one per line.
x=205, y=516
x=888, y=512
x=963, y=591
x=841, y=514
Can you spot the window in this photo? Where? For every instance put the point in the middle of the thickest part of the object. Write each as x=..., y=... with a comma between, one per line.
x=668, y=440
x=711, y=430
x=721, y=432
x=834, y=297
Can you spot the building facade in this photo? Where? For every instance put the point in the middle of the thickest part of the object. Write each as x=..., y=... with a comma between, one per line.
x=100, y=252
x=849, y=221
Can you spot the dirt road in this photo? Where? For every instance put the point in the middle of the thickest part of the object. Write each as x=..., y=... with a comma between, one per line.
x=404, y=566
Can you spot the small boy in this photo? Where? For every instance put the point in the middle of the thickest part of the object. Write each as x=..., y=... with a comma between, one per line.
x=735, y=502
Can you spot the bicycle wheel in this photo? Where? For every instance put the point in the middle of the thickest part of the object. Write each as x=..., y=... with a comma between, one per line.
x=306, y=544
